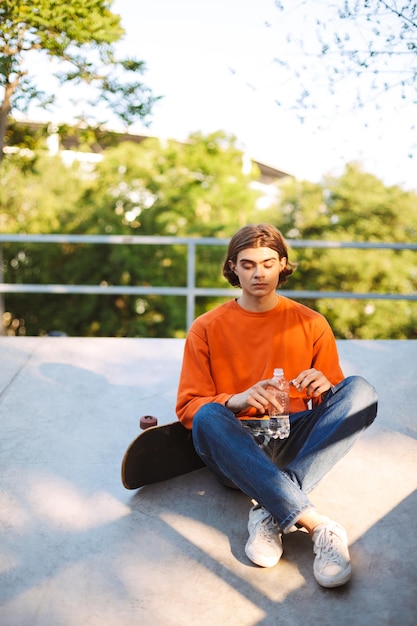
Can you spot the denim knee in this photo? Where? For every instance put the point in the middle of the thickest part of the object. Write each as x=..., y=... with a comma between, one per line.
x=363, y=395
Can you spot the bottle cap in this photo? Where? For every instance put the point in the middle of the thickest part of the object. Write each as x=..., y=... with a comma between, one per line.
x=278, y=371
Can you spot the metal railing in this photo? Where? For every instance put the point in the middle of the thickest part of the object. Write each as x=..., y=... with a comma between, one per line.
x=190, y=291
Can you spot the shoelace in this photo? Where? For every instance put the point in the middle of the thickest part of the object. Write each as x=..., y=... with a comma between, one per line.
x=267, y=527
x=324, y=545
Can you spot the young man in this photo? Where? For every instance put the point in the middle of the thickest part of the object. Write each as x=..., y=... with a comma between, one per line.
x=230, y=354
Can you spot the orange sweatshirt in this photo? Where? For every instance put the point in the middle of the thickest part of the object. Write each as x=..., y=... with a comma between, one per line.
x=229, y=349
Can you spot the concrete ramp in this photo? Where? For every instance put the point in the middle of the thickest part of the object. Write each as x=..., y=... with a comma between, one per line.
x=76, y=548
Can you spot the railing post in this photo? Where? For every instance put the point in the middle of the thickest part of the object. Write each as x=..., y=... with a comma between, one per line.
x=190, y=283
x=2, y=311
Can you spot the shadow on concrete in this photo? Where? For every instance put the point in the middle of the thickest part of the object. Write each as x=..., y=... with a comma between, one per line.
x=77, y=548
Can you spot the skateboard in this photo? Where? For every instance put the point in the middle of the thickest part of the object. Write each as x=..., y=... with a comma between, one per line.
x=159, y=453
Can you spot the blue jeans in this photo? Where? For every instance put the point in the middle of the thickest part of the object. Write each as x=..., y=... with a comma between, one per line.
x=279, y=475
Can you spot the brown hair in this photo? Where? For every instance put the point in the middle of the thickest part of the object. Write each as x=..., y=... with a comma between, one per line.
x=257, y=236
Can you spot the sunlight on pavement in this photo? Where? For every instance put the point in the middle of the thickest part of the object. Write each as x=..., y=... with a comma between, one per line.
x=59, y=503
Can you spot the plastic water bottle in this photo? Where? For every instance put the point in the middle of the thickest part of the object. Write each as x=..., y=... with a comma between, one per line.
x=279, y=420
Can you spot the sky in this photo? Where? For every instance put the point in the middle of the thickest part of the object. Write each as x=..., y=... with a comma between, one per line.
x=213, y=63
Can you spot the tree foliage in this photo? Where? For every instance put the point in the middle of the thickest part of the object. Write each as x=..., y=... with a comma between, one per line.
x=356, y=207
x=78, y=35
x=195, y=189
x=191, y=189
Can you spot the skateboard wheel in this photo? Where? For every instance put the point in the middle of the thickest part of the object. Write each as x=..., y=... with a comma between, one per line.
x=146, y=421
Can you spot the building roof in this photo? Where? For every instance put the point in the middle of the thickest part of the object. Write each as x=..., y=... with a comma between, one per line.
x=269, y=173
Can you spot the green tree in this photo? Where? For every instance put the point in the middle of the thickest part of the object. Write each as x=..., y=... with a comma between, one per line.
x=182, y=189
x=355, y=207
x=197, y=188
x=79, y=35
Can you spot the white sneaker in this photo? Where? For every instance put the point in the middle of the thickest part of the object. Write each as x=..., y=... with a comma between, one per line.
x=332, y=563
x=264, y=546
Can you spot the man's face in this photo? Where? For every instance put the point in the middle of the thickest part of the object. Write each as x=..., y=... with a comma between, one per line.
x=258, y=270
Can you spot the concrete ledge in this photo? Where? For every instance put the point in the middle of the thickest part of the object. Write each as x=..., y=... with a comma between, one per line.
x=77, y=548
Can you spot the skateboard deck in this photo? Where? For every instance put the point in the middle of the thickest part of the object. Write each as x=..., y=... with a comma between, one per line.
x=159, y=453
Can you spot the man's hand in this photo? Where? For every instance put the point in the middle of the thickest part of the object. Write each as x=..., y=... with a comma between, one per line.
x=256, y=397
x=314, y=382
